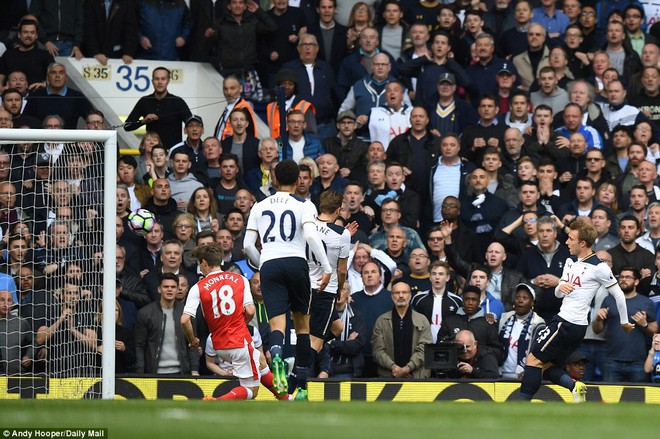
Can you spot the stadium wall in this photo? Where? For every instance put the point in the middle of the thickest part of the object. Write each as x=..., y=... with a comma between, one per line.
x=328, y=390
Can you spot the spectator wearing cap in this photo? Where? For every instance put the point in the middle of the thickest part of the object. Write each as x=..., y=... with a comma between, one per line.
x=194, y=129
x=427, y=69
x=517, y=328
x=160, y=111
x=288, y=80
x=482, y=73
x=392, y=118
x=576, y=365
x=349, y=150
x=471, y=316
x=549, y=93
x=449, y=113
x=529, y=62
x=506, y=80
x=126, y=171
x=369, y=92
x=316, y=84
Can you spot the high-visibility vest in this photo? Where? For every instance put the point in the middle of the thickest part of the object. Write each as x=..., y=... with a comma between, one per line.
x=273, y=115
x=229, y=131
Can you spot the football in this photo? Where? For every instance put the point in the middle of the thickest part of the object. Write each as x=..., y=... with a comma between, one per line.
x=141, y=221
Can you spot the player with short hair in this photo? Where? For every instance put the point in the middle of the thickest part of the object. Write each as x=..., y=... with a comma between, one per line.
x=227, y=306
x=285, y=223
x=583, y=274
x=324, y=319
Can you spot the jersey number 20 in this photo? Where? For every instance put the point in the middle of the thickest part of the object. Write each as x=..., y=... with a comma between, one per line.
x=292, y=220
x=222, y=301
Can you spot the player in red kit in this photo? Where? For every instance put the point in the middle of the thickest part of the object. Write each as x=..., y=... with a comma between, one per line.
x=227, y=306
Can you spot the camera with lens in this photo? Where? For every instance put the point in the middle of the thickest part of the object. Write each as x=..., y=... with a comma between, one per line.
x=443, y=357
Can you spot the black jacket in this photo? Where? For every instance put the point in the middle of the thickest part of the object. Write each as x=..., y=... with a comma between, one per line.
x=485, y=333
x=114, y=36
x=149, y=333
x=423, y=304
x=510, y=278
x=237, y=42
x=339, y=50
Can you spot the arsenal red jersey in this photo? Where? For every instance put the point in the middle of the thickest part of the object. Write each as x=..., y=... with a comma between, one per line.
x=223, y=296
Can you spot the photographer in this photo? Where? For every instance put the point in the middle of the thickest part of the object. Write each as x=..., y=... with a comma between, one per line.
x=473, y=362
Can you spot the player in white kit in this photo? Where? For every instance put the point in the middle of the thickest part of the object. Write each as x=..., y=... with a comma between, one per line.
x=285, y=224
x=583, y=274
x=337, y=244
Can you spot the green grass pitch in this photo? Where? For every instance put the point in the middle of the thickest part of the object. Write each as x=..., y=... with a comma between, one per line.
x=342, y=420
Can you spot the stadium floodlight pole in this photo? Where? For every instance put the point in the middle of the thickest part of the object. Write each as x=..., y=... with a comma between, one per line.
x=109, y=140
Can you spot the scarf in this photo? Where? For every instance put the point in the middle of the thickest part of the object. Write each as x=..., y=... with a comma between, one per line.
x=345, y=317
x=402, y=335
x=523, y=340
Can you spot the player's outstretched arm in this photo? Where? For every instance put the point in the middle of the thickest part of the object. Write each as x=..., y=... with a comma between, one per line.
x=620, y=298
x=250, y=247
x=188, y=331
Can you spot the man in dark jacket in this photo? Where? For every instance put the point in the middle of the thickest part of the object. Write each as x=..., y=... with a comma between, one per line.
x=236, y=36
x=346, y=146
x=316, y=84
x=474, y=362
x=417, y=150
x=111, y=33
x=161, y=347
x=471, y=317
x=543, y=266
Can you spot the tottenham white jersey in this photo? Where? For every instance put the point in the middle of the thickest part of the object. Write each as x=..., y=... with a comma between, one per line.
x=586, y=275
x=279, y=220
x=337, y=243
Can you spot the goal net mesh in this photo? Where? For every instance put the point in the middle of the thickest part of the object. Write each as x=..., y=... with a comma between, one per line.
x=51, y=267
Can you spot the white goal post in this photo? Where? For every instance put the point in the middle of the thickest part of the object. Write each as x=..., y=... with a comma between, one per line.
x=109, y=139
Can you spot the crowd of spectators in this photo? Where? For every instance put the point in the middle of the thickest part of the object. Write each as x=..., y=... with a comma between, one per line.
x=464, y=137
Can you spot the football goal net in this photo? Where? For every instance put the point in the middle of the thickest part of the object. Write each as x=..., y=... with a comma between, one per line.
x=57, y=263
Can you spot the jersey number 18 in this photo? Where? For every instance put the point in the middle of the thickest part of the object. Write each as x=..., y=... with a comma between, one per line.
x=224, y=298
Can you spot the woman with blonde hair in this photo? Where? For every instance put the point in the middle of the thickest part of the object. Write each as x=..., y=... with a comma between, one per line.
x=146, y=145
x=360, y=19
x=607, y=195
x=312, y=164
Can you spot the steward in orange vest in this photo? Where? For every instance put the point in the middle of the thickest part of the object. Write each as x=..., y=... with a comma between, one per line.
x=287, y=79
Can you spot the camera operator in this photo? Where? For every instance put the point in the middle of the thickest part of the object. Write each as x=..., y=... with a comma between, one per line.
x=473, y=362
